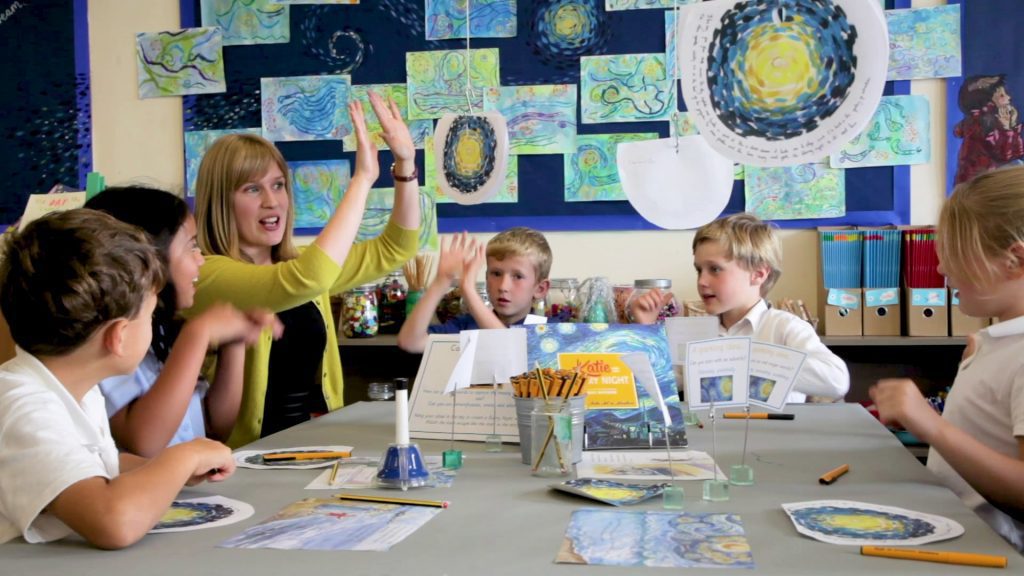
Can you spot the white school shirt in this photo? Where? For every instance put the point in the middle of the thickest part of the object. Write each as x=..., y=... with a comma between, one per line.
x=48, y=441
x=822, y=374
x=122, y=390
x=987, y=402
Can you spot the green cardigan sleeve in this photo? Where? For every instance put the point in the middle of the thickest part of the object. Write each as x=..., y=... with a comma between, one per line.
x=288, y=284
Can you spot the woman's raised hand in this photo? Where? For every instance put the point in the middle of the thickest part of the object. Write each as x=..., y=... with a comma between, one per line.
x=393, y=128
x=367, y=165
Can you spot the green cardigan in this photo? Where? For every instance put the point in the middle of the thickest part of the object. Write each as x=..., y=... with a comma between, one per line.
x=313, y=276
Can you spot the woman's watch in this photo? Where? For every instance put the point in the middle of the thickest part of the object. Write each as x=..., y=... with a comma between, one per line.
x=399, y=178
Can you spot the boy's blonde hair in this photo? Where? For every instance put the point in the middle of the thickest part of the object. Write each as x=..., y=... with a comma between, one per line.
x=232, y=161
x=980, y=222
x=523, y=242
x=748, y=240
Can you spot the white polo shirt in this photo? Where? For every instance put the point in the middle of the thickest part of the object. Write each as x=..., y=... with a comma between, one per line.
x=822, y=374
x=48, y=441
x=987, y=402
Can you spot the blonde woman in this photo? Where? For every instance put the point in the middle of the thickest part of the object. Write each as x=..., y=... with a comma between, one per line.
x=245, y=212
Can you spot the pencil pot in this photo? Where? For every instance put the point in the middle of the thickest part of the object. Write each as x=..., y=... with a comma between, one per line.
x=575, y=408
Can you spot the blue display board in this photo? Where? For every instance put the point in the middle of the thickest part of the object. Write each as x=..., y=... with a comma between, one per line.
x=369, y=41
x=45, y=128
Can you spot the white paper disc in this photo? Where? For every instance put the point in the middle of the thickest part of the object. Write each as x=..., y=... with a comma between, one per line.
x=471, y=152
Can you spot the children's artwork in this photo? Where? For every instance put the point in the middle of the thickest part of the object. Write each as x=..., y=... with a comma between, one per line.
x=420, y=130
x=716, y=372
x=509, y=193
x=477, y=412
x=990, y=128
x=659, y=539
x=773, y=371
x=675, y=183
x=800, y=191
x=197, y=142
x=182, y=62
x=615, y=428
x=591, y=172
x=199, y=513
x=437, y=81
x=682, y=124
x=39, y=205
x=609, y=492
x=862, y=524
x=255, y=458
x=648, y=465
x=899, y=133
x=379, y=205
x=333, y=524
x=563, y=30
x=317, y=187
x=612, y=5
x=625, y=88
x=471, y=153
x=316, y=1
x=361, y=472
x=774, y=84
x=924, y=42
x=248, y=21
x=306, y=108
x=541, y=119
x=446, y=19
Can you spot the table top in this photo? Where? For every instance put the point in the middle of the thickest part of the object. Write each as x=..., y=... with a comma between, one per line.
x=503, y=521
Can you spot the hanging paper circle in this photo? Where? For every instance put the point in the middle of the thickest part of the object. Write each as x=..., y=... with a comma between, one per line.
x=783, y=82
x=672, y=188
x=472, y=156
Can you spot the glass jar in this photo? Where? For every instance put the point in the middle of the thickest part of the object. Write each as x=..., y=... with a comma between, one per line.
x=561, y=300
x=391, y=303
x=481, y=289
x=359, y=312
x=641, y=287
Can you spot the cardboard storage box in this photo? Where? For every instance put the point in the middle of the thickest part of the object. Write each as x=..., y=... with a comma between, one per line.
x=961, y=324
x=882, y=312
x=927, y=311
x=843, y=312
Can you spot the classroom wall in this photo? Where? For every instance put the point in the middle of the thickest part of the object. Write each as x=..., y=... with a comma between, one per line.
x=142, y=141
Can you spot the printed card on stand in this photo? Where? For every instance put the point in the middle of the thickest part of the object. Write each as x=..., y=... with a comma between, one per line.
x=773, y=371
x=717, y=371
x=499, y=354
x=430, y=406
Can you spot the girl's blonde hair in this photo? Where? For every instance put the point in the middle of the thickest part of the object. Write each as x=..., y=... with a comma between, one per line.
x=231, y=162
x=749, y=241
x=979, y=224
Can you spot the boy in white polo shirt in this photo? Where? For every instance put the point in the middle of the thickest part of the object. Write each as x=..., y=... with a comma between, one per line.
x=738, y=260
x=78, y=290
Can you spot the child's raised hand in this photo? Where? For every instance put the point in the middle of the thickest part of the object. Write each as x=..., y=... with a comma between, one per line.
x=367, y=165
x=214, y=461
x=899, y=401
x=645, y=308
x=450, y=261
x=473, y=258
x=393, y=128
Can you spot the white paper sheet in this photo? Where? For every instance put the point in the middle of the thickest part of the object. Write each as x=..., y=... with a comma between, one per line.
x=643, y=372
x=494, y=180
x=717, y=370
x=647, y=465
x=672, y=188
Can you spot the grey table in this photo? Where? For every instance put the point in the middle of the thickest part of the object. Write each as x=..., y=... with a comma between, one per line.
x=504, y=521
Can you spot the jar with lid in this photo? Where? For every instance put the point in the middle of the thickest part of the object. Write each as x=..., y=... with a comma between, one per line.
x=391, y=302
x=561, y=300
x=481, y=289
x=359, y=312
x=641, y=287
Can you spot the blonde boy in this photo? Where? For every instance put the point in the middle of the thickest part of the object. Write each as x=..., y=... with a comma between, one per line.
x=78, y=290
x=738, y=260
x=518, y=264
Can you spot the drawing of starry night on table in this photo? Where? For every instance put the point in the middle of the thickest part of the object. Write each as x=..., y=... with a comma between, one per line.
x=639, y=427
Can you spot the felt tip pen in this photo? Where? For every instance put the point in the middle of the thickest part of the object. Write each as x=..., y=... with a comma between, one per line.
x=834, y=474
x=758, y=416
x=389, y=500
x=279, y=456
x=962, y=558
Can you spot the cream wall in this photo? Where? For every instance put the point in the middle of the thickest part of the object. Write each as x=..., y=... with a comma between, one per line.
x=141, y=140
